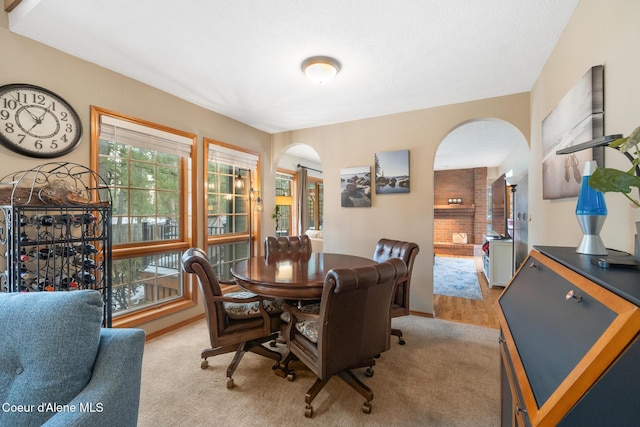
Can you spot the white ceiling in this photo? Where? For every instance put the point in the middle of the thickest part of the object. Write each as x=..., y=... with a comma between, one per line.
x=242, y=58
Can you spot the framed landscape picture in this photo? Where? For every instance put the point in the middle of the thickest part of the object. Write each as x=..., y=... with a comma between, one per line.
x=355, y=184
x=392, y=172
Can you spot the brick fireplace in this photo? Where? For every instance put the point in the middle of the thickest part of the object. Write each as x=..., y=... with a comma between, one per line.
x=470, y=216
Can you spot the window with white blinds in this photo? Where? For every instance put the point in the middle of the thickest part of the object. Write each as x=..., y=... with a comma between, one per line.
x=145, y=137
x=219, y=154
x=230, y=175
x=147, y=168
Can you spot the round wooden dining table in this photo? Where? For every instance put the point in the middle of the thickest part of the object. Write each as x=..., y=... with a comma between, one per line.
x=295, y=276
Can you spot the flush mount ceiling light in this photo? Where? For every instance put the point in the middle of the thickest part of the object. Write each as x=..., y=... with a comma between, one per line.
x=320, y=69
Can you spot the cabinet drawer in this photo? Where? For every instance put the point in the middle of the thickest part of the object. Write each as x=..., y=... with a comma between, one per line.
x=555, y=342
x=513, y=411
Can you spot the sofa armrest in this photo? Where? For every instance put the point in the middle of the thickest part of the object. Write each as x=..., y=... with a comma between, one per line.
x=112, y=396
x=317, y=245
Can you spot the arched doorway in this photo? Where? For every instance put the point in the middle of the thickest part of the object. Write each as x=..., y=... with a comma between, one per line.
x=299, y=176
x=468, y=160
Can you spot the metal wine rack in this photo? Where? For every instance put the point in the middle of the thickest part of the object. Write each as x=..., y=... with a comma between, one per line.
x=55, y=231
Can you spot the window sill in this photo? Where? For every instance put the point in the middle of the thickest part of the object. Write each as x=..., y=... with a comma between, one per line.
x=137, y=318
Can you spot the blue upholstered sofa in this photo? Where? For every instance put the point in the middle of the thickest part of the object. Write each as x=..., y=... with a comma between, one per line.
x=59, y=367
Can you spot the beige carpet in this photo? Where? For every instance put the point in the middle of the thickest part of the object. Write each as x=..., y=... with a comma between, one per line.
x=446, y=375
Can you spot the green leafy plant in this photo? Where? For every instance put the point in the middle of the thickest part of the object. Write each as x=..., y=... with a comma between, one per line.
x=618, y=181
x=276, y=216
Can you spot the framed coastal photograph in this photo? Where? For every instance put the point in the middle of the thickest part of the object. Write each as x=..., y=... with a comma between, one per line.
x=392, y=172
x=355, y=186
x=578, y=118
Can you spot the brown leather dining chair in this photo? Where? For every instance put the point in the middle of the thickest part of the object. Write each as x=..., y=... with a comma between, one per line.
x=275, y=247
x=237, y=321
x=286, y=245
x=350, y=330
x=406, y=251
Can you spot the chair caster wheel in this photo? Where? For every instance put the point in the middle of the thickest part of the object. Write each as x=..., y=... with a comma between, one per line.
x=230, y=383
x=308, y=411
x=291, y=376
x=401, y=342
x=366, y=407
x=369, y=372
x=204, y=364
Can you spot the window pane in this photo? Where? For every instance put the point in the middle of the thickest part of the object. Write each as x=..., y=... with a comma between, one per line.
x=141, y=281
x=241, y=204
x=227, y=205
x=144, y=230
x=314, y=201
x=217, y=224
x=229, y=180
x=119, y=231
x=213, y=186
x=120, y=201
x=142, y=154
x=283, y=220
x=168, y=159
x=320, y=203
x=141, y=230
x=110, y=148
x=284, y=184
x=284, y=200
x=167, y=178
x=241, y=224
x=224, y=256
x=146, y=192
x=114, y=170
x=168, y=203
x=142, y=175
x=142, y=202
x=226, y=184
x=311, y=205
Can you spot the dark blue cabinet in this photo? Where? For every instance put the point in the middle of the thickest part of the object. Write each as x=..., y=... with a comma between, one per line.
x=568, y=342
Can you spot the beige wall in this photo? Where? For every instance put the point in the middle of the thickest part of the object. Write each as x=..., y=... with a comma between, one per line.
x=84, y=84
x=407, y=217
x=395, y=216
x=599, y=33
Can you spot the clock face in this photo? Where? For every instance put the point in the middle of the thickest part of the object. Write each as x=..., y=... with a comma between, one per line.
x=36, y=122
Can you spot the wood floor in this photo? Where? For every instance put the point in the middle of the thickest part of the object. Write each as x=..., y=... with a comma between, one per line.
x=475, y=312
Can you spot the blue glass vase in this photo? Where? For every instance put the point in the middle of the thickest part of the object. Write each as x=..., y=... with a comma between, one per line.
x=591, y=212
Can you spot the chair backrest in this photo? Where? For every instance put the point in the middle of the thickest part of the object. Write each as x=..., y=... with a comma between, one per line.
x=354, y=315
x=195, y=261
x=286, y=245
x=406, y=251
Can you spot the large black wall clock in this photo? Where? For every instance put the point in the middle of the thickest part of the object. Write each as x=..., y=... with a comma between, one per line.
x=36, y=122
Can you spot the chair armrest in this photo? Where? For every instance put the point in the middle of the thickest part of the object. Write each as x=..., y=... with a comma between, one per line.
x=266, y=318
x=299, y=314
x=237, y=300
x=112, y=396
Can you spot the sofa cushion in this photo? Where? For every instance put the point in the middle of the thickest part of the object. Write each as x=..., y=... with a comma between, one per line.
x=49, y=345
x=314, y=234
